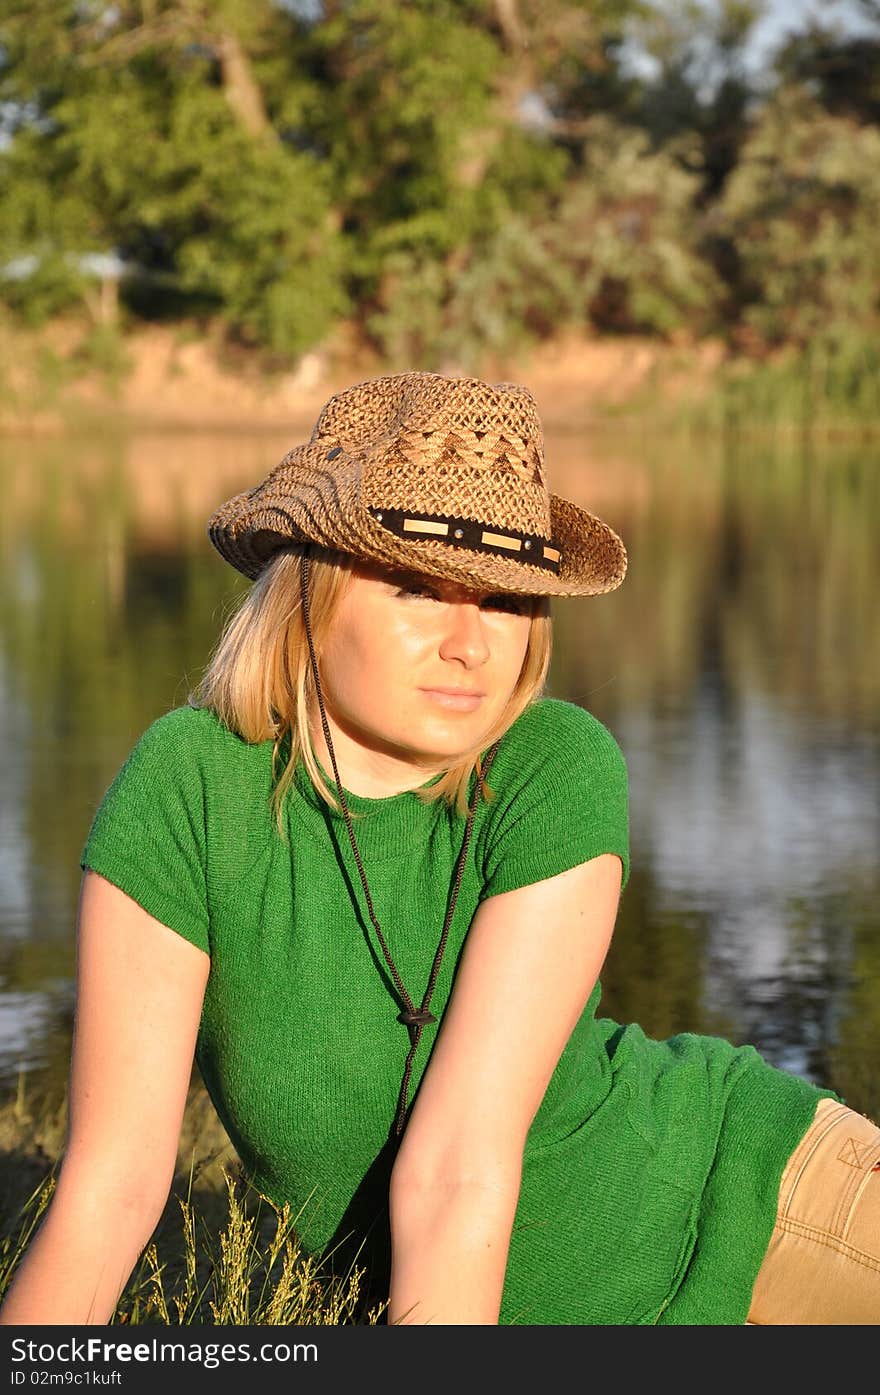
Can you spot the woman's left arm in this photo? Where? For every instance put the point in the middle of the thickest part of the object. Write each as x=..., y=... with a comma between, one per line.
x=530, y=961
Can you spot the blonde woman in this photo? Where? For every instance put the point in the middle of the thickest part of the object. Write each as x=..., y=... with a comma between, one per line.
x=369, y=876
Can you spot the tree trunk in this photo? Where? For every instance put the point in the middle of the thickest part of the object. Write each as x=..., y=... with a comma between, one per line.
x=240, y=88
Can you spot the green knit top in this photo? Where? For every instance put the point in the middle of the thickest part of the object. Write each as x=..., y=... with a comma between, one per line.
x=651, y=1168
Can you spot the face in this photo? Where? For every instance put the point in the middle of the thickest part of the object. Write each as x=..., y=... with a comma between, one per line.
x=416, y=670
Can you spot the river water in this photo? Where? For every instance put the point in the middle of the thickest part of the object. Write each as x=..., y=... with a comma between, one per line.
x=738, y=666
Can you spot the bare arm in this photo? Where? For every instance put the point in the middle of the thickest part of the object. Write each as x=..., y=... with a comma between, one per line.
x=530, y=962
x=139, y=996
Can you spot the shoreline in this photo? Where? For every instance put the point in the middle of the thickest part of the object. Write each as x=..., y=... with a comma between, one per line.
x=67, y=379
x=160, y=378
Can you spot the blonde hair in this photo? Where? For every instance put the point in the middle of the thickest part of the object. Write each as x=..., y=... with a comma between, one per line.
x=259, y=678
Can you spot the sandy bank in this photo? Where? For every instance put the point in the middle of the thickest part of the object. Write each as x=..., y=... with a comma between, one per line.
x=177, y=379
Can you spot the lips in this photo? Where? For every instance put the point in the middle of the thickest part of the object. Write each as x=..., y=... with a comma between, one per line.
x=455, y=699
x=456, y=692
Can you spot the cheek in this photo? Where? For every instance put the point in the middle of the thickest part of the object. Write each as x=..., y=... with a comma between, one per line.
x=341, y=663
x=365, y=666
x=511, y=648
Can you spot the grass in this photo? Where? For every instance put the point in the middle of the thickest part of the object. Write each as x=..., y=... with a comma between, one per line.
x=222, y=1253
x=821, y=394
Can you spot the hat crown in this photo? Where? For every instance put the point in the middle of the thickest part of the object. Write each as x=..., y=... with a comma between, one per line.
x=444, y=446
x=370, y=413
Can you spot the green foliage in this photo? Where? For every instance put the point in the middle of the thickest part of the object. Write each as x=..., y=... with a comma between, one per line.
x=282, y=173
x=454, y=177
x=148, y=142
x=703, y=88
x=802, y=210
x=826, y=386
x=449, y=315
x=104, y=348
x=48, y=282
x=403, y=113
x=615, y=249
x=628, y=231
x=841, y=70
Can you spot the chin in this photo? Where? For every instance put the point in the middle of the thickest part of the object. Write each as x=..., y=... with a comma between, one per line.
x=449, y=745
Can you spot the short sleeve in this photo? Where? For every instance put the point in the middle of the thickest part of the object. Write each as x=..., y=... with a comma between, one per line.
x=561, y=797
x=148, y=835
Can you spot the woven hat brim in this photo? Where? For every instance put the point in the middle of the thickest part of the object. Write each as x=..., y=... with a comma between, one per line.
x=247, y=531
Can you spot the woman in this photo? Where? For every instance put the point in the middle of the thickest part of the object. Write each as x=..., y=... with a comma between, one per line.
x=370, y=876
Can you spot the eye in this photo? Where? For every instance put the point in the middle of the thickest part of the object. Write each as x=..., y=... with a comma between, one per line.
x=417, y=588
x=513, y=605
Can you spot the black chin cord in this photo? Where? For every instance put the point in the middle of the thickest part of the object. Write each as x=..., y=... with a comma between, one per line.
x=413, y=1018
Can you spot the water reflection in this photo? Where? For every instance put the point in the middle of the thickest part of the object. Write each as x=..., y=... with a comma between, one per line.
x=739, y=667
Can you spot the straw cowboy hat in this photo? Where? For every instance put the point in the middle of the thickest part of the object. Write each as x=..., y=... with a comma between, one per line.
x=438, y=475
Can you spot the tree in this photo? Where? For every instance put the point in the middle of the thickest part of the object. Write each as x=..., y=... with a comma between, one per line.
x=803, y=208
x=157, y=130
x=702, y=86
x=841, y=71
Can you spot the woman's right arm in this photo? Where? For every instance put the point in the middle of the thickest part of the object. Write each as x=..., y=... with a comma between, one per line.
x=140, y=988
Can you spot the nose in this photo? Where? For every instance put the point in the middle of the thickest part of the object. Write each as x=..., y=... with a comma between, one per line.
x=464, y=635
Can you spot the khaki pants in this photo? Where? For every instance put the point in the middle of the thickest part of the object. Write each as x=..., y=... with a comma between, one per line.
x=823, y=1263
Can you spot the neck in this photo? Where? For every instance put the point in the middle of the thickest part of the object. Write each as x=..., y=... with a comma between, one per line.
x=368, y=771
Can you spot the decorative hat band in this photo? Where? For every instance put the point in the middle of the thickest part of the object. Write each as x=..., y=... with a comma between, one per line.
x=475, y=537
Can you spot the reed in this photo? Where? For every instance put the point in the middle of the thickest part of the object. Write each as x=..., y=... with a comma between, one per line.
x=222, y=1253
